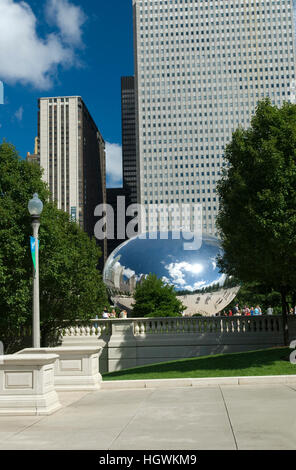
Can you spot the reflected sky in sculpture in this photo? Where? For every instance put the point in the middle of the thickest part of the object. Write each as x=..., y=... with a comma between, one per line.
x=187, y=270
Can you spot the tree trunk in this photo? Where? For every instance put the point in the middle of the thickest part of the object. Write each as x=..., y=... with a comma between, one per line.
x=285, y=318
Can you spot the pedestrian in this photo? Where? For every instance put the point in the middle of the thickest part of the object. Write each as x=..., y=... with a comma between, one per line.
x=123, y=314
x=113, y=314
x=246, y=311
x=96, y=324
x=252, y=311
x=105, y=313
x=269, y=311
x=257, y=310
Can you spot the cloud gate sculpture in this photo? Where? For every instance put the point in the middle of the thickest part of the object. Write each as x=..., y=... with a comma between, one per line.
x=190, y=267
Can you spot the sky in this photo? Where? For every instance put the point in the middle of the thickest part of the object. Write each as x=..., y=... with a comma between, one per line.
x=65, y=48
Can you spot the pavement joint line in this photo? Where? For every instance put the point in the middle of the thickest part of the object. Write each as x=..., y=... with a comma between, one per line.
x=25, y=428
x=228, y=415
x=76, y=401
x=41, y=418
x=132, y=419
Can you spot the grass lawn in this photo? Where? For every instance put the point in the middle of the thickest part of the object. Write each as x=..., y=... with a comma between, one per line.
x=273, y=361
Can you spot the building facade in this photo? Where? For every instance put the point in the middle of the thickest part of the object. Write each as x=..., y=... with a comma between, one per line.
x=129, y=144
x=72, y=154
x=35, y=157
x=200, y=69
x=119, y=199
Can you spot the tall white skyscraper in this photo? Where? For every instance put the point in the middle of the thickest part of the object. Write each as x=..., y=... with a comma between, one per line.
x=201, y=66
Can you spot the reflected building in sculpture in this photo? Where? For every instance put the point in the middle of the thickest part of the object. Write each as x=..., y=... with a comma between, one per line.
x=193, y=273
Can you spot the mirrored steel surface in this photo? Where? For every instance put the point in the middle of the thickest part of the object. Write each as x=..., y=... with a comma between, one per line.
x=203, y=288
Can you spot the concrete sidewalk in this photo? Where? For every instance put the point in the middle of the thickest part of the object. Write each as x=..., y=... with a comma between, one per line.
x=219, y=417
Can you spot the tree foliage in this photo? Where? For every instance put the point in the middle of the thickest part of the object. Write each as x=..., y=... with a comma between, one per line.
x=257, y=218
x=253, y=293
x=154, y=298
x=71, y=287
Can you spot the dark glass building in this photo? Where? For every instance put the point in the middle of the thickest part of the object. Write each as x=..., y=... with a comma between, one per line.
x=129, y=146
x=119, y=199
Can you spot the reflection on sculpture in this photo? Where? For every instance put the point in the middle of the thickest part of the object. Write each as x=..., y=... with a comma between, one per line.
x=194, y=273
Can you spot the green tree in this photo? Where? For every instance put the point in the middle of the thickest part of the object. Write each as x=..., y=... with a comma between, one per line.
x=154, y=298
x=71, y=287
x=257, y=218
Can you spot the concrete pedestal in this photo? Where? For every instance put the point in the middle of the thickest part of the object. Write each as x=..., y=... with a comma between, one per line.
x=76, y=369
x=27, y=385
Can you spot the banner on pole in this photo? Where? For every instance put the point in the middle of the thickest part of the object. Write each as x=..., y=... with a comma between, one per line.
x=33, y=250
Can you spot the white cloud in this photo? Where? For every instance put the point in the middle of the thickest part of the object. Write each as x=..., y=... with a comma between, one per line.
x=19, y=114
x=178, y=271
x=24, y=56
x=68, y=18
x=114, y=164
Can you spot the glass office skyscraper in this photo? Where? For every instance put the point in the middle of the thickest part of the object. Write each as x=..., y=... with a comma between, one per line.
x=201, y=66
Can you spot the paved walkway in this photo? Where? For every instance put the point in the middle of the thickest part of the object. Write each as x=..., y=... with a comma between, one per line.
x=225, y=417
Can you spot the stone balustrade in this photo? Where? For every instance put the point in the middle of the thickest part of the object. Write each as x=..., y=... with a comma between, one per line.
x=199, y=325
x=178, y=326
x=96, y=328
x=138, y=341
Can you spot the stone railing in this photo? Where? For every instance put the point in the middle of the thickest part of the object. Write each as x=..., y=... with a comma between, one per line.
x=137, y=341
x=95, y=328
x=198, y=325
x=178, y=326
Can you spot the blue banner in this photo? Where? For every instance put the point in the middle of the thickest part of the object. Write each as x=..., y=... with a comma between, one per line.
x=33, y=249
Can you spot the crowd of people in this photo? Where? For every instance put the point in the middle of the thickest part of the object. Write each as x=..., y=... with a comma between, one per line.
x=250, y=311
x=113, y=314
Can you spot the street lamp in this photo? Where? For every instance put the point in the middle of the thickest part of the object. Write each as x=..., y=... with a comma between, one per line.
x=35, y=208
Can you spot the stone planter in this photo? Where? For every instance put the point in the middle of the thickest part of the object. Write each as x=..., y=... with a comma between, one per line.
x=76, y=369
x=27, y=385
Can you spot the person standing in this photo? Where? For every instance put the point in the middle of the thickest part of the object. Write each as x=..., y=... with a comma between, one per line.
x=235, y=310
x=105, y=313
x=113, y=314
x=258, y=310
x=269, y=310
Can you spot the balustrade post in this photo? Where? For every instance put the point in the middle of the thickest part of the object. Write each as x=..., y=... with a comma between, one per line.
x=142, y=331
x=136, y=328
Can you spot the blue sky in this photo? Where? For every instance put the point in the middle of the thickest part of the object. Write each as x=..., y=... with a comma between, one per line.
x=64, y=47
